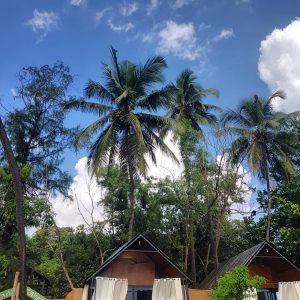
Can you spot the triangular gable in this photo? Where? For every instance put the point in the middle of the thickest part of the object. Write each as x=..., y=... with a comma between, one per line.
x=244, y=258
x=138, y=242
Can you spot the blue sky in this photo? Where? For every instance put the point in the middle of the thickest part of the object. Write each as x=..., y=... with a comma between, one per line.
x=219, y=39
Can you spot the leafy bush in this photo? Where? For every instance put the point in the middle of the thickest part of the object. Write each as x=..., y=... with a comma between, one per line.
x=234, y=285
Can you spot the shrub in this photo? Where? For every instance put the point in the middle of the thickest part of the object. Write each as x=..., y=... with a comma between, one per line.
x=234, y=285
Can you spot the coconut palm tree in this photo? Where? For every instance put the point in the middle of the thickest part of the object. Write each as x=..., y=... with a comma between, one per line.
x=186, y=106
x=126, y=126
x=262, y=140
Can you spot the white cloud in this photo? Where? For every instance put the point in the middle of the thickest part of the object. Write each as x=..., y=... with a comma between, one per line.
x=224, y=34
x=125, y=27
x=148, y=37
x=129, y=8
x=153, y=5
x=85, y=188
x=243, y=2
x=244, y=180
x=279, y=64
x=42, y=22
x=179, y=40
x=67, y=212
x=180, y=3
x=14, y=92
x=101, y=13
x=203, y=27
x=77, y=2
x=166, y=166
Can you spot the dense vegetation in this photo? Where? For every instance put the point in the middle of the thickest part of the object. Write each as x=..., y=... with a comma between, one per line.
x=191, y=217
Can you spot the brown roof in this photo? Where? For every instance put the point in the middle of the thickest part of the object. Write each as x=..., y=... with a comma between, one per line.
x=144, y=244
x=244, y=258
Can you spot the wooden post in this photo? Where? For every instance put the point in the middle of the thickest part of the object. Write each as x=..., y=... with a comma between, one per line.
x=17, y=291
x=15, y=285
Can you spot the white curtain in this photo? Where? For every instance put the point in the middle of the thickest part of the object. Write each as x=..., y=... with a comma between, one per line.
x=251, y=294
x=110, y=288
x=167, y=289
x=85, y=292
x=289, y=290
x=120, y=290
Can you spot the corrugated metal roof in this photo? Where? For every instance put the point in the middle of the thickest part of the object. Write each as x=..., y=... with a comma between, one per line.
x=244, y=258
x=119, y=251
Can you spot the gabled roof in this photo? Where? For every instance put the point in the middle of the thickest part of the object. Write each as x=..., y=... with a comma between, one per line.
x=244, y=258
x=147, y=245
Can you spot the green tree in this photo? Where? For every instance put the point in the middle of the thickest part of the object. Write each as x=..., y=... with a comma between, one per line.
x=36, y=129
x=234, y=284
x=187, y=108
x=127, y=124
x=19, y=200
x=261, y=140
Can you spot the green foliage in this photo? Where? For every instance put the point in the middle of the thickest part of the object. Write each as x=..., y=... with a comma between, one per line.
x=4, y=266
x=126, y=126
x=233, y=285
x=36, y=130
x=262, y=137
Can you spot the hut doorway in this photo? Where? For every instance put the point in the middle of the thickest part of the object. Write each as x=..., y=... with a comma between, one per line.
x=144, y=295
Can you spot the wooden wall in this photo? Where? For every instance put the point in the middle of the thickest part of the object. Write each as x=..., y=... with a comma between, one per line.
x=195, y=294
x=262, y=270
x=136, y=266
x=272, y=272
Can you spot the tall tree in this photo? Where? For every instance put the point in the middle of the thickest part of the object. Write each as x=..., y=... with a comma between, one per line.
x=18, y=189
x=262, y=140
x=36, y=128
x=187, y=108
x=126, y=123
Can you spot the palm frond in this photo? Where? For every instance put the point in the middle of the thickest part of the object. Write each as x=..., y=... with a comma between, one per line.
x=94, y=89
x=89, y=107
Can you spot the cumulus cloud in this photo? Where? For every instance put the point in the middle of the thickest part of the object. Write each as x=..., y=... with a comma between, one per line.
x=101, y=13
x=243, y=183
x=124, y=27
x=180, y=3
x=224, y=34
x=77, y=2
x=279, y=64
x=179, y=40
x=84, y=189
x=42, y=22
x=86, y=194
x=129, y=8
x=166, y=166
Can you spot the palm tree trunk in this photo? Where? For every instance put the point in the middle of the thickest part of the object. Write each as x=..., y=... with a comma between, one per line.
x=132, y=204
x=193, y=256
x=268, y=227
x=191, y=236
x=131, y=191
x=18, y=189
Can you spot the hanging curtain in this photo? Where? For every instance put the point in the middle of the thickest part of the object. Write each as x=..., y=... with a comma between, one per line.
x=120, y=290
x=110, y=288
x=178, y=289
x=85, y=292
x=167, y=289
x=289, y=290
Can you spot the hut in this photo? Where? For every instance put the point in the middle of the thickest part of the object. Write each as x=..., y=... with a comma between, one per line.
x=140, y=262
x=38, y=282
x=264, y=260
